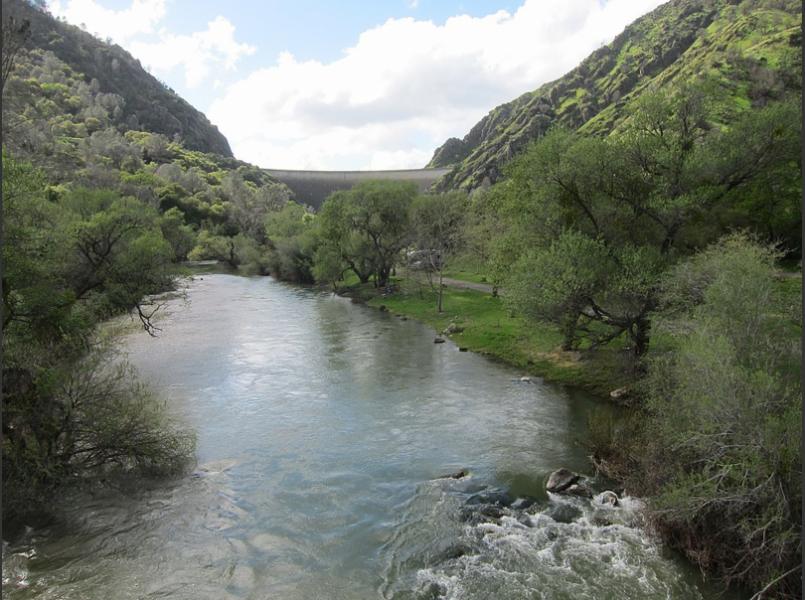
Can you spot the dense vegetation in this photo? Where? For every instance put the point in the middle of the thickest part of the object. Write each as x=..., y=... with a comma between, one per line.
x=750, y=48
x=646, y=225
x=69, y=409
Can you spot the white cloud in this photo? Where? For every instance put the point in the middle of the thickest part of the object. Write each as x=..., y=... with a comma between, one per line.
x=407, y=85
x=120, y=25
x=198, y=54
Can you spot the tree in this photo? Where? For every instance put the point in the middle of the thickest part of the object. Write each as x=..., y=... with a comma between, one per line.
x=642, y=197
x=180, y=236
x=249, y=205
x=291, y=236
x=438, y=229
x=367, y=226
x=15, y=32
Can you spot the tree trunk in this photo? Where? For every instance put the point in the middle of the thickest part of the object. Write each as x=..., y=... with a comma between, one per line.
x=382, y=276
x=568, y=329
x=640, y=336
x=441, y=287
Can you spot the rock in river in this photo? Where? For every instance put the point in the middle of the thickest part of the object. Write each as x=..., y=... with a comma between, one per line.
x=457, y=475
x=608, y=497
x=561, y=479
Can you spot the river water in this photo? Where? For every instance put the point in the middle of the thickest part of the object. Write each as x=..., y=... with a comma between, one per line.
x=323, y=429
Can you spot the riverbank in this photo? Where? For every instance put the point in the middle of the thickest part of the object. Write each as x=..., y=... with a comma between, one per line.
x=481, y=323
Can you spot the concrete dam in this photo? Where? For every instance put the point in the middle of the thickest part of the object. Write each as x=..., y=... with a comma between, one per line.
x=312, y=187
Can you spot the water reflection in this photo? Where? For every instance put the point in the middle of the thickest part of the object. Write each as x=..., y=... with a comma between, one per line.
x=321, y=427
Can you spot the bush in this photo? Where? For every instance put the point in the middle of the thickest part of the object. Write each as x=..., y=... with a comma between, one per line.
x=724, y=416
x=90, y=418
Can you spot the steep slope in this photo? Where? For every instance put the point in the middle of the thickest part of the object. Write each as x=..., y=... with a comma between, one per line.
x=750, y=49
x=148, y=104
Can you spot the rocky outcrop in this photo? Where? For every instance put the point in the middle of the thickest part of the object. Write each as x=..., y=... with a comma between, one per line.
x=675, y=42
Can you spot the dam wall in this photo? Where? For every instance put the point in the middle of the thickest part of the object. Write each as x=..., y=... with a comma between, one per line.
x=312, y=187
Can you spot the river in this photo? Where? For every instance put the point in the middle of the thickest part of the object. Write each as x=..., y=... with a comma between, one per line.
x=323, y=429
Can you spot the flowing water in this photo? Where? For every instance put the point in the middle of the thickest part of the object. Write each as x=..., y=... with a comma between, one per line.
x=323, y=429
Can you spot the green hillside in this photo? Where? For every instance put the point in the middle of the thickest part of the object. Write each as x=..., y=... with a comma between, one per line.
x=749, y=50
x=147, y=103
x=84, y=132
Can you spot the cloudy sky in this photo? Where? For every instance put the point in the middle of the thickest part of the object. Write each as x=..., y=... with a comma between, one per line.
x=352, y=84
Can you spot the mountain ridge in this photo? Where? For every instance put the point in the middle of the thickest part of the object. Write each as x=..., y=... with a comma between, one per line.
x=675, y=42
x=149, y=104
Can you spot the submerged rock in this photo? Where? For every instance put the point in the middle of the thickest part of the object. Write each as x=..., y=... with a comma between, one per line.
x=560, y=480
x=457, y=475
x=525, y=379
x=438, y=340
x=563, y=512
x=496, y=497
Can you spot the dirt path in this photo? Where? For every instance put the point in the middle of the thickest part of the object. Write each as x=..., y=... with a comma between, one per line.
x=466, y=285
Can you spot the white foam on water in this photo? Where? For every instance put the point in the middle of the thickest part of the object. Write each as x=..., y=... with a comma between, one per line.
x=15, y=566
x=601, y=553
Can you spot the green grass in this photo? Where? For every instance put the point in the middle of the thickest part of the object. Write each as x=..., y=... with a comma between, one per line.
x=491, y=330
x=466, y=269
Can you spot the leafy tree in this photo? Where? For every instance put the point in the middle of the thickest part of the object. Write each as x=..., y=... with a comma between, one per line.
x=438, y=229
x=642, y=198
x=180, y=236
x=291, y=237
x=367, y=226
x=238, y=251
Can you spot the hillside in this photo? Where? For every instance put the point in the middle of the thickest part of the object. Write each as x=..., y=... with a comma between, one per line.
x=749, y=49
x=147, y=103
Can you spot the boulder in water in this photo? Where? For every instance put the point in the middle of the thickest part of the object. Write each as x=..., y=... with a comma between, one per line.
x=560, y=480
x=438, y=340
x=608, y=497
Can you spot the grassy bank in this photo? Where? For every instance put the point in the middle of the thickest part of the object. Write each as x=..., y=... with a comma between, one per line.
x=489, y=329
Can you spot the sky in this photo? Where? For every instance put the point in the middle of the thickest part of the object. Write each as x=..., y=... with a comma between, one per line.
x=352, y=84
